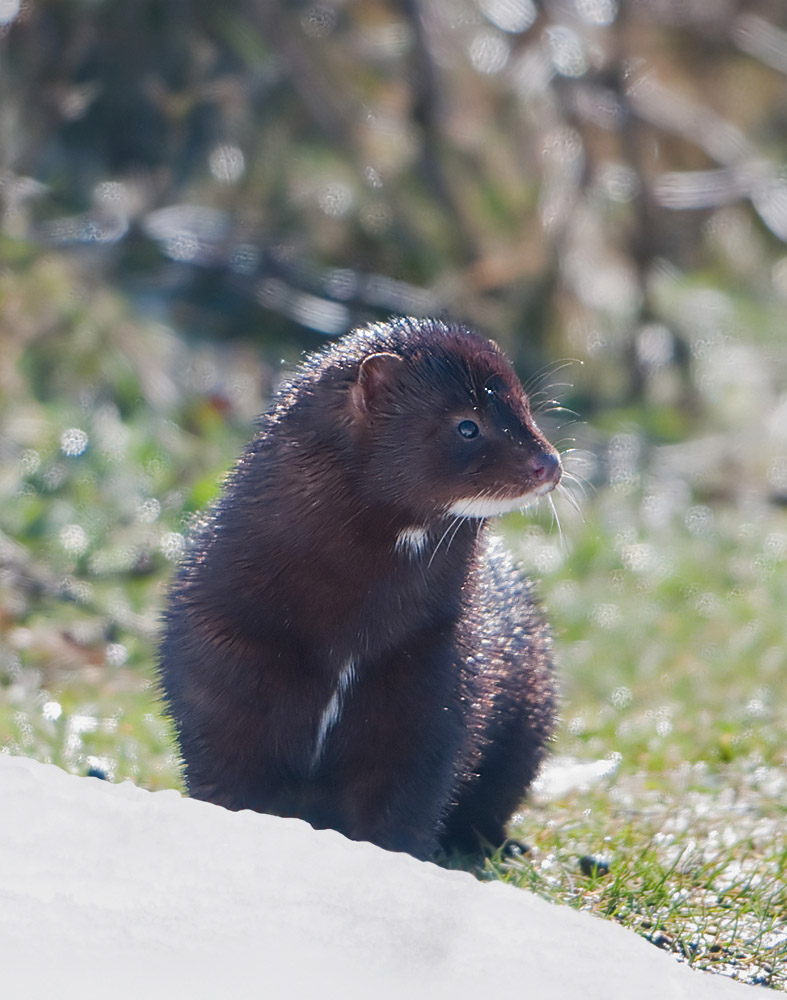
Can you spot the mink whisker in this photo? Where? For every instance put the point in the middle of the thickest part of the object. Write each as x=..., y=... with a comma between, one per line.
x=566, y=493
x=556, y=408
x=556, y=517
x=454, y=519
x=537, y=380
x=579, y=481
x=459, y=524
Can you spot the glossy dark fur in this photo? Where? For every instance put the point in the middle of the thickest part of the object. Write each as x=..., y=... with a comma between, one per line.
x=300, y=589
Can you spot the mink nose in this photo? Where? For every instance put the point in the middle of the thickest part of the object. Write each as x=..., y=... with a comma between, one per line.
x=545, y=468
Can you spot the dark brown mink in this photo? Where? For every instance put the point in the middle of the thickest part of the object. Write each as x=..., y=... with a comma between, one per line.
x=344, y=641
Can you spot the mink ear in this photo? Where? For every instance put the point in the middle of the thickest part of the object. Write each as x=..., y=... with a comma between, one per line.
x=376, y=375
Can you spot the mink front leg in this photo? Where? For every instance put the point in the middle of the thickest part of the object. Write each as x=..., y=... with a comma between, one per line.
x=395, y=749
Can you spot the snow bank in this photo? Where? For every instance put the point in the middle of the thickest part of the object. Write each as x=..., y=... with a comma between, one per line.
x=111, y=891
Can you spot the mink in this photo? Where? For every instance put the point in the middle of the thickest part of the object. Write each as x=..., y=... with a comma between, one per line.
x=345, y=641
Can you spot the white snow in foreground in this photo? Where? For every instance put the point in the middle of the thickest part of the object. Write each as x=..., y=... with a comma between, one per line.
x=111, y=891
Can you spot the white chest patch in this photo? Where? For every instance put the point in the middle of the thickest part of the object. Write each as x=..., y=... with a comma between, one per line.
x=412, y=541
x=332, y=711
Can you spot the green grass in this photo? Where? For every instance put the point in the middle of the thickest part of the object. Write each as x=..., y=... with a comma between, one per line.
x=693, y=861
x=671, y=653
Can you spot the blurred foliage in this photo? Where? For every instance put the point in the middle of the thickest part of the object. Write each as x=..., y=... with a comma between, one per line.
x=113, y=434
x=192, y=191
x=574, y=177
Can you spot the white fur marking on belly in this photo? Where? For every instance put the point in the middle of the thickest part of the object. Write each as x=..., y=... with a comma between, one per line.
x=411, y=540
x=332, y=711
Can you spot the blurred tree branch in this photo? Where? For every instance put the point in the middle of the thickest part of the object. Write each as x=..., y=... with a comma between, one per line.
x=544, y=171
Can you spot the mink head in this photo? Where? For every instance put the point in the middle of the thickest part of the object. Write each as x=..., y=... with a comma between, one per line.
x=444, y=427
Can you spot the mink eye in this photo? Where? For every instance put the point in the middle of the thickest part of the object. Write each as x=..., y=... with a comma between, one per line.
x=467, y=428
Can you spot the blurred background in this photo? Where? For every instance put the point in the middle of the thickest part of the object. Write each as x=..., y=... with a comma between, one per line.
x=192, y=193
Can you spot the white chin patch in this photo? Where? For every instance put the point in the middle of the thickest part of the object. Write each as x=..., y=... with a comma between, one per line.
x=490, y=506
x=411, y=541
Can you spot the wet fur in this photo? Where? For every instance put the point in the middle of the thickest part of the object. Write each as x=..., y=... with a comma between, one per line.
x=299, y=590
